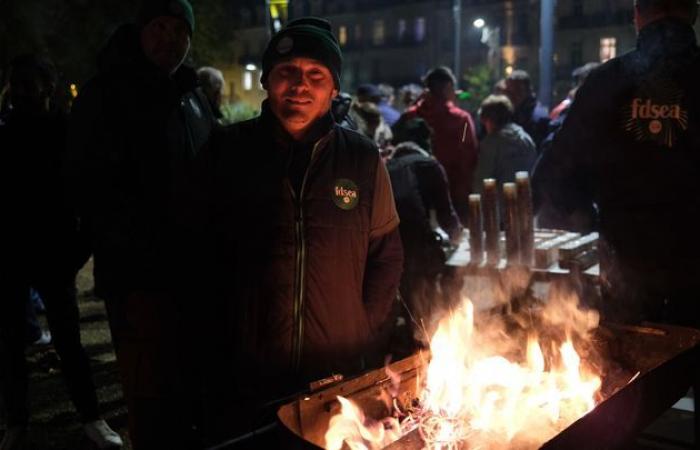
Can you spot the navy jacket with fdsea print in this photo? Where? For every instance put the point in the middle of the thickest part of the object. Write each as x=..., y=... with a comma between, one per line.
x=631, y=146
x=306, y=246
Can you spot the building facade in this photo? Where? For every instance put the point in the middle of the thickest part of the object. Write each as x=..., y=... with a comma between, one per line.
x=397, y=41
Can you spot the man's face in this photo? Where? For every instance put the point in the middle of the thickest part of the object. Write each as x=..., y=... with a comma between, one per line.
x=299, y=92
x=165, y=42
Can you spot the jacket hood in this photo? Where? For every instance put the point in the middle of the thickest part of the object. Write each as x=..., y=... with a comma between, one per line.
x=123, y=53
x=122, y=49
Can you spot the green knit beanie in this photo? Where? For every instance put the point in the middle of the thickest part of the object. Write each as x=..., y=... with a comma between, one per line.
x=150, y=9
x=309, y=37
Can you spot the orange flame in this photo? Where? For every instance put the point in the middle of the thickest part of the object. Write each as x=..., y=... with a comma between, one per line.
x=478, y=393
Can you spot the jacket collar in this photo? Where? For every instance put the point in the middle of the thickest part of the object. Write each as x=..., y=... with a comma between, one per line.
x=666, y=36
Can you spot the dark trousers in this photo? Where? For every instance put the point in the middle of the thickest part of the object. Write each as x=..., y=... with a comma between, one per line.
x=155, y=363
x=59, y=295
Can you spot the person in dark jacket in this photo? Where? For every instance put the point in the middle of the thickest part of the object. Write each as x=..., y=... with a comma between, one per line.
x=136, y=127
x=304, y=229
x=43, y=248
x=584, y=222
x=506, y=149
x=631, y=146
x=528, y=112
x=420, y=188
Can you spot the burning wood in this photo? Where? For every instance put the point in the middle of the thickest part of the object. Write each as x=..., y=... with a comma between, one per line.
x=491, y=383
x=644, y=370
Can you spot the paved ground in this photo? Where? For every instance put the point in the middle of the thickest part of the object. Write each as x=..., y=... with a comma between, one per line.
x=54, y=424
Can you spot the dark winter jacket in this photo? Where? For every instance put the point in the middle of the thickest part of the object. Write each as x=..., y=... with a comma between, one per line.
x=134, y=132
x=504, y=152
x=40, y=226
x=631, y=145
x=419, y=184
x=309, y=260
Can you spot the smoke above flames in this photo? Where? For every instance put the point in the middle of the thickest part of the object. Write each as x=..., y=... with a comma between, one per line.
x=497, y=377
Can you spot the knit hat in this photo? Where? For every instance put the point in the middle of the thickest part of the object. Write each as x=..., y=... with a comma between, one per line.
x=309, y=37
x=150, y=9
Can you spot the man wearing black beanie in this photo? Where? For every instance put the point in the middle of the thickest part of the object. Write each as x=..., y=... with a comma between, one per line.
x=135, y=129
x=304, y=229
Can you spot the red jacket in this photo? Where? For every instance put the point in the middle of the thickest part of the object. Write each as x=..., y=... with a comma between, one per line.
x=454, y=144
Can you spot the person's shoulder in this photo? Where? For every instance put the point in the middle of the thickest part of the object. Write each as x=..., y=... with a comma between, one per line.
x=459, y=112
x=249, y=128
x=356, y=141
x=607, y=74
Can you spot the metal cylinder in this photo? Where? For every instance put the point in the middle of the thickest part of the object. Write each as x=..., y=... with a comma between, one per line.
x=510, y=219
x=476, y=230
x=525, y=218
x=489, y=204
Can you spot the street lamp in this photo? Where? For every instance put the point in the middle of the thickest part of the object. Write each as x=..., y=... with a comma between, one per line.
x=492, y=38
x=457, y=16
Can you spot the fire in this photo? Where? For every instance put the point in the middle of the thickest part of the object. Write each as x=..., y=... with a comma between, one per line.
x=359, y=433
x=489, y=387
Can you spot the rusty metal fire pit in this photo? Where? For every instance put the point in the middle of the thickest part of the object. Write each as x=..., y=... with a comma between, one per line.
x=664, y=356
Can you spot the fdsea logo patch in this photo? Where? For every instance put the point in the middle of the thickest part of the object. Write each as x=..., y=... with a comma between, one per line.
x=656, y=114
x=346, y=194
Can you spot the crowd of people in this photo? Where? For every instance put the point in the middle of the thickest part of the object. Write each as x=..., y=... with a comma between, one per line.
x=239, y=263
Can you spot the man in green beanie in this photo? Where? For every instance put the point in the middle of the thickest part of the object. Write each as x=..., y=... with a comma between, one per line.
x=304, y=229
x=135, y=130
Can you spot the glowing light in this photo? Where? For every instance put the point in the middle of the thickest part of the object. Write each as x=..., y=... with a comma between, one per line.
x=487, y=387
x=479, y=23
x=251, y=67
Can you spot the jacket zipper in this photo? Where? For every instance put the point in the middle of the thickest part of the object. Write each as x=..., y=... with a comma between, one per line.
x=300, y=264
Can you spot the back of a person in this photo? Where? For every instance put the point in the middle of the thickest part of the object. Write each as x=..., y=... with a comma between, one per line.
x=454, y=142
x=453, y=145
x=448, y=123
x=650, y=161
x=415, y=225
x=515, y=148
x=630, y=146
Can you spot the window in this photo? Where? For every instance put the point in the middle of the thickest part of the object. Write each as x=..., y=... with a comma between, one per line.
x=401, y=30
x=378, y=32
x=419, y=29
x=247, y=80
x=343, y=35
x=608, y=48
x=577, y=7
x=358, y=33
